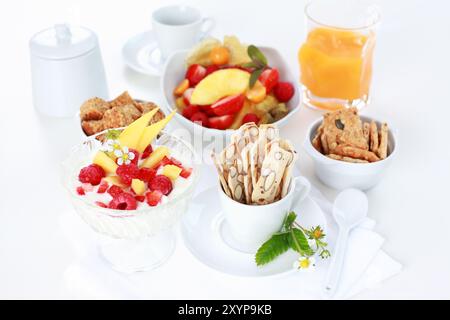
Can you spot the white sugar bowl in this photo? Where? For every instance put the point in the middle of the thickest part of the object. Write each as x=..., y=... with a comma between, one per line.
x=66, y=69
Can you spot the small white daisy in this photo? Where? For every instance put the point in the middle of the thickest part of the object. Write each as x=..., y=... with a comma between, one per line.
x=306, y=264
x=111, y=145
x=124, y=156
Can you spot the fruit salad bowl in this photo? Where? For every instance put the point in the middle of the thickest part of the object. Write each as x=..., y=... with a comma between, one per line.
x=136, y=240
x=175, y=70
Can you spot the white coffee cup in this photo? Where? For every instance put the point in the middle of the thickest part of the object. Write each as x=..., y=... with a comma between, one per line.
x=179, y=27
x=252, y=225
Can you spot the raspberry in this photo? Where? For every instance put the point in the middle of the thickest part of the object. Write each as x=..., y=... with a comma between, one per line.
x=101, y=204
x=161, y=183
x=284, y=91
x=123, y=201
x=146, y=174
x=127, y=173
x=186, y=173
x=80, y=191
x=153, y=198
x=103, y=187
x=136, y=156
x=140, y=198
x=114, y=191
x=147, y=152
x=92, y=174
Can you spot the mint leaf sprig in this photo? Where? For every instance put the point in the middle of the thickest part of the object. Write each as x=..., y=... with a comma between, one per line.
x=295, y=237
x=258, y=64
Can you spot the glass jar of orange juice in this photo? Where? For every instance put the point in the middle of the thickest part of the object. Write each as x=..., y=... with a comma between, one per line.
x=336, y=57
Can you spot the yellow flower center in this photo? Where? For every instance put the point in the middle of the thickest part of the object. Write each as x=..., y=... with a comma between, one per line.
x=125, y=157
x=304, y=264
x=317, y=234
x=116, y=146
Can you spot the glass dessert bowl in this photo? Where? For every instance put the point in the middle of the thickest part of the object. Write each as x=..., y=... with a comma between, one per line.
x=132, y=240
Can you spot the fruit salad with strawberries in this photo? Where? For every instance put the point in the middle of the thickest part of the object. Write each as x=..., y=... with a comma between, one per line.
x=228, y=84
x=130, y=171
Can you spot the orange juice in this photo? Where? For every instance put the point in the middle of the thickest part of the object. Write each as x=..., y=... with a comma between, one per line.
x=337, y=63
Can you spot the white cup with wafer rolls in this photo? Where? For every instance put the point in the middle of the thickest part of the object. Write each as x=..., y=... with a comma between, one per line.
x=345, y=165
x=252, y=225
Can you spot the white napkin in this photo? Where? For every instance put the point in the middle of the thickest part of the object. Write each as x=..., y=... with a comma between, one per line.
x=365, y=264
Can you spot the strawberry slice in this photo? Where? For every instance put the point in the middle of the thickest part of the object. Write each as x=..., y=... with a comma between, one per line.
x=195, y=73
x=269, y=78
x=186, y=173
x=228, y=105
x=208, y=110
x=250, y=117
x=284, y=91
x=189, y=111
x=153, y=198
x=187, y=96
x=200, y=118
x=211, y=69
x=221, y=123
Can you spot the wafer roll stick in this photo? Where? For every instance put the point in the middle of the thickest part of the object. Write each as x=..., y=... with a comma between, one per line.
x=374, y=144
x=220, y=172
x=383, y=148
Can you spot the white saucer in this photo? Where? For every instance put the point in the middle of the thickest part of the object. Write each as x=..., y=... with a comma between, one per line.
x=141, y=53
x=206, y=235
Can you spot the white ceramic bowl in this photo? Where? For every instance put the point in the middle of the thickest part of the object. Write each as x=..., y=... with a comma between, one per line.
x=341, y=175
x=175, y=70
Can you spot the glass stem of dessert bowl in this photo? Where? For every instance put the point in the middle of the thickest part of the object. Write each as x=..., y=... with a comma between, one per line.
x=336, y=57
x=138, y=255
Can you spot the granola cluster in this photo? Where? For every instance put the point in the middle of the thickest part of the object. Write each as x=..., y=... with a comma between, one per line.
x=343, y=136
x=98, y=115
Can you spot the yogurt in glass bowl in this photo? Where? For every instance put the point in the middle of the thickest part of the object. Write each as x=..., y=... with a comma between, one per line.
x=132, y=240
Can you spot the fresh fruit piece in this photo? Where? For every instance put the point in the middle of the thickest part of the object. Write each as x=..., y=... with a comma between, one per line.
x=187, y=96
x=153, y=198
x=155, y=158
x=175, y=162
x=127, y=173
x=222, y=83
x=250, y=117
x=195, y=73
x=267, y=119
x=146, y=174
x=189, y=111
x=136, y=156
x=207, y=109
x=211, y=69
x=186, y=173
x=284, y=91
x=131, y=135
x=200, y=118
x=123, y=201
x=88, y=187
x=279, y=112
x=228, y=105
x=179, y=102
x=107, y=164
x=219, y=56
x=161, y=183
x=238, y=51
x=269, y=79
x=247, y=108
x=147, y=152
x=257, y=93
x=115, y=180
x=114, y=191
x=181, y=88
x=92, y=174
x=200, y=53
x=103, y=187
x=152, y=131
x=101, y=204
x=138, y=186
x=80, y=191
x=172, y=171
x=221, y=123
x=265, y=106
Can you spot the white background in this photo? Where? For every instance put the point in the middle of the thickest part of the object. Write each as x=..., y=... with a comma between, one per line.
x=411, y=90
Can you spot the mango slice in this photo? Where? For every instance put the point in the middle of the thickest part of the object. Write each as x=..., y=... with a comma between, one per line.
x=108, y=164
x=150, y=132
x=115, y=180
x=171, y=171
x=131, y=135
x=222, y=83
x=155, y=157
x=138, y=186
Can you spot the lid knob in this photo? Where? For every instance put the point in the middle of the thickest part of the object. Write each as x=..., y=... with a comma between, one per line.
x=63, y=34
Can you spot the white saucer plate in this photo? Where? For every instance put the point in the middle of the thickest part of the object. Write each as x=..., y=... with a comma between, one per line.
x=206, y=235
x=141, y=53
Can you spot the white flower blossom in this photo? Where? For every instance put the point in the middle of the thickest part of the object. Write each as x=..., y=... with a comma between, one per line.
x=111, y=145
x=305, y=264
x=124, y=156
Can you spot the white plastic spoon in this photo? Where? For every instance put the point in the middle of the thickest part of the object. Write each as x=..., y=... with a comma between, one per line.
x=349, y=209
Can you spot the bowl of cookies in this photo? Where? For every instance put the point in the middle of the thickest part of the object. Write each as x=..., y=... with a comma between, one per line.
x=98, y=115
x=349, y=150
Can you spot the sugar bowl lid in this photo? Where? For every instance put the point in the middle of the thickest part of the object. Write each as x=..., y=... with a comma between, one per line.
x=63, y=42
